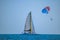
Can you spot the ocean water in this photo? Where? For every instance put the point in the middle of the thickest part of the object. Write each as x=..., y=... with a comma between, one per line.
x=29, y=36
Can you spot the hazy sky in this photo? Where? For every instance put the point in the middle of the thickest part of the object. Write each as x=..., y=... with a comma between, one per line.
x=13, y=15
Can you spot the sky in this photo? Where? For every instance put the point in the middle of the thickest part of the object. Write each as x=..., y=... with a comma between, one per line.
x=13, y=15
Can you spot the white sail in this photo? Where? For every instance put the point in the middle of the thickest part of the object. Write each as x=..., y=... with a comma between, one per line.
x=29, y=27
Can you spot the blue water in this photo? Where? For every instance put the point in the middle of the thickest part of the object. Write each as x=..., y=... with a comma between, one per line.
x=29, y=37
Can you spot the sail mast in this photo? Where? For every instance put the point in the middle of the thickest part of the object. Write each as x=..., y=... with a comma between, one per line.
x=30, y=22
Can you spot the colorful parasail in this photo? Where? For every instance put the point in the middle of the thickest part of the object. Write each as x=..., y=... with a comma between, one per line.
x=46, y=10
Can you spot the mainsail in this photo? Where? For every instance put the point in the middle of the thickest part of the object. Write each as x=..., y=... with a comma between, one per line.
x=29, y=27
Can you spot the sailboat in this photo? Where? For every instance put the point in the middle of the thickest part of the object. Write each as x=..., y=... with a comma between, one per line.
x=29, y=27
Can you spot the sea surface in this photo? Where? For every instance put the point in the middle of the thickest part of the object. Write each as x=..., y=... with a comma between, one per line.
x=29, y=36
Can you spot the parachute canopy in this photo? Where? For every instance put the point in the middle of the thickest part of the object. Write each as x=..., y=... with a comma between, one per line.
x=46, y=10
